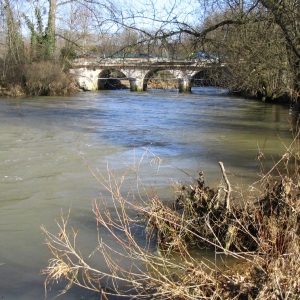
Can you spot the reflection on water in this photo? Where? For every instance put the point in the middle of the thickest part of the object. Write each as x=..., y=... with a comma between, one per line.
x=43, y=142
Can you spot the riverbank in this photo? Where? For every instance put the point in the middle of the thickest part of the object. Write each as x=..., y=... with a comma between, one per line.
x=261, y=230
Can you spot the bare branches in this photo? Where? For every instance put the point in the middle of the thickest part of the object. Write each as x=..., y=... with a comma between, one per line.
x=263, y=236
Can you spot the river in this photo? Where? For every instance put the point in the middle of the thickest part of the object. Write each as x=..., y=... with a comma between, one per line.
x=43, y=142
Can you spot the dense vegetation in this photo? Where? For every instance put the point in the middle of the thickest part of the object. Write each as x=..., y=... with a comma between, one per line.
x=258, y=40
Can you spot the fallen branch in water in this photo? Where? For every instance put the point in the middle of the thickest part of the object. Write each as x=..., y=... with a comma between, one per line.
x=228, y=189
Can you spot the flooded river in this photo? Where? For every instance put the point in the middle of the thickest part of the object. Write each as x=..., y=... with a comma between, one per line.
x=43, y=142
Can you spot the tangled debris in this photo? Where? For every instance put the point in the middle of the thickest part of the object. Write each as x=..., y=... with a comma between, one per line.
x=260, y=231
x=265, y=233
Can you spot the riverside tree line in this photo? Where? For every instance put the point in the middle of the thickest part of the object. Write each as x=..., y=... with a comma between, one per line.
x=258, y=40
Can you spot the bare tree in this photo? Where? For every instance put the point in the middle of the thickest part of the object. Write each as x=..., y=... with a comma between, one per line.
x=14, y=38
x=286, y=14
x=12, y=45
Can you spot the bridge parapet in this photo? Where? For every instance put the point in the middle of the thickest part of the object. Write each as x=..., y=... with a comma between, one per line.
x=114, y=61
x=155, y=62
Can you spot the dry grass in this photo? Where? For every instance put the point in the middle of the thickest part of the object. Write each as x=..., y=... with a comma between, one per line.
x=261, y=231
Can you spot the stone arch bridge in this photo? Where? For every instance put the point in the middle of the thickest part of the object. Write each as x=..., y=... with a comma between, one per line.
x=92, y=72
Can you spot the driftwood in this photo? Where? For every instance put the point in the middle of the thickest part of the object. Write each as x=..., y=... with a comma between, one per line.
x=227, y=190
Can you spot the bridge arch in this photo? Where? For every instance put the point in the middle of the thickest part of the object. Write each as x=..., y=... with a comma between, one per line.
x=112, y=78
x=160, y=78
x=202, y=78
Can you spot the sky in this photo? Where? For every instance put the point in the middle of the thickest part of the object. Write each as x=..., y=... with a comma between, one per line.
x=168, y=10
x=148, y=14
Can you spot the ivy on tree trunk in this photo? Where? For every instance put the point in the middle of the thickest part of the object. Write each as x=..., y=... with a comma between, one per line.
x=42, y=40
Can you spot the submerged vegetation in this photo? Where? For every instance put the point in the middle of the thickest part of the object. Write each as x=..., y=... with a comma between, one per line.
x=259, y=228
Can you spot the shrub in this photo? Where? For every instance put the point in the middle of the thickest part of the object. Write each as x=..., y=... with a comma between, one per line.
x=47, y=79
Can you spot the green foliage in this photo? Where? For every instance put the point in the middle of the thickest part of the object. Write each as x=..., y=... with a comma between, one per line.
x=42, y=41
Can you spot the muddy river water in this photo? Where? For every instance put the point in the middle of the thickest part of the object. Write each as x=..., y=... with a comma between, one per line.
x=42, y=171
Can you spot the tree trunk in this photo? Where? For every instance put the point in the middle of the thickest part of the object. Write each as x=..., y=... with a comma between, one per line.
x=50, y=30
x=14, y=39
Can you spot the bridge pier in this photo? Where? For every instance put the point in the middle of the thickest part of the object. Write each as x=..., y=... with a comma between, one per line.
x=137, y=85
x=184, y=85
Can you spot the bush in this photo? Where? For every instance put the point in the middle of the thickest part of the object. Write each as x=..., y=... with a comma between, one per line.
x=47, y=79
x=11, y=80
